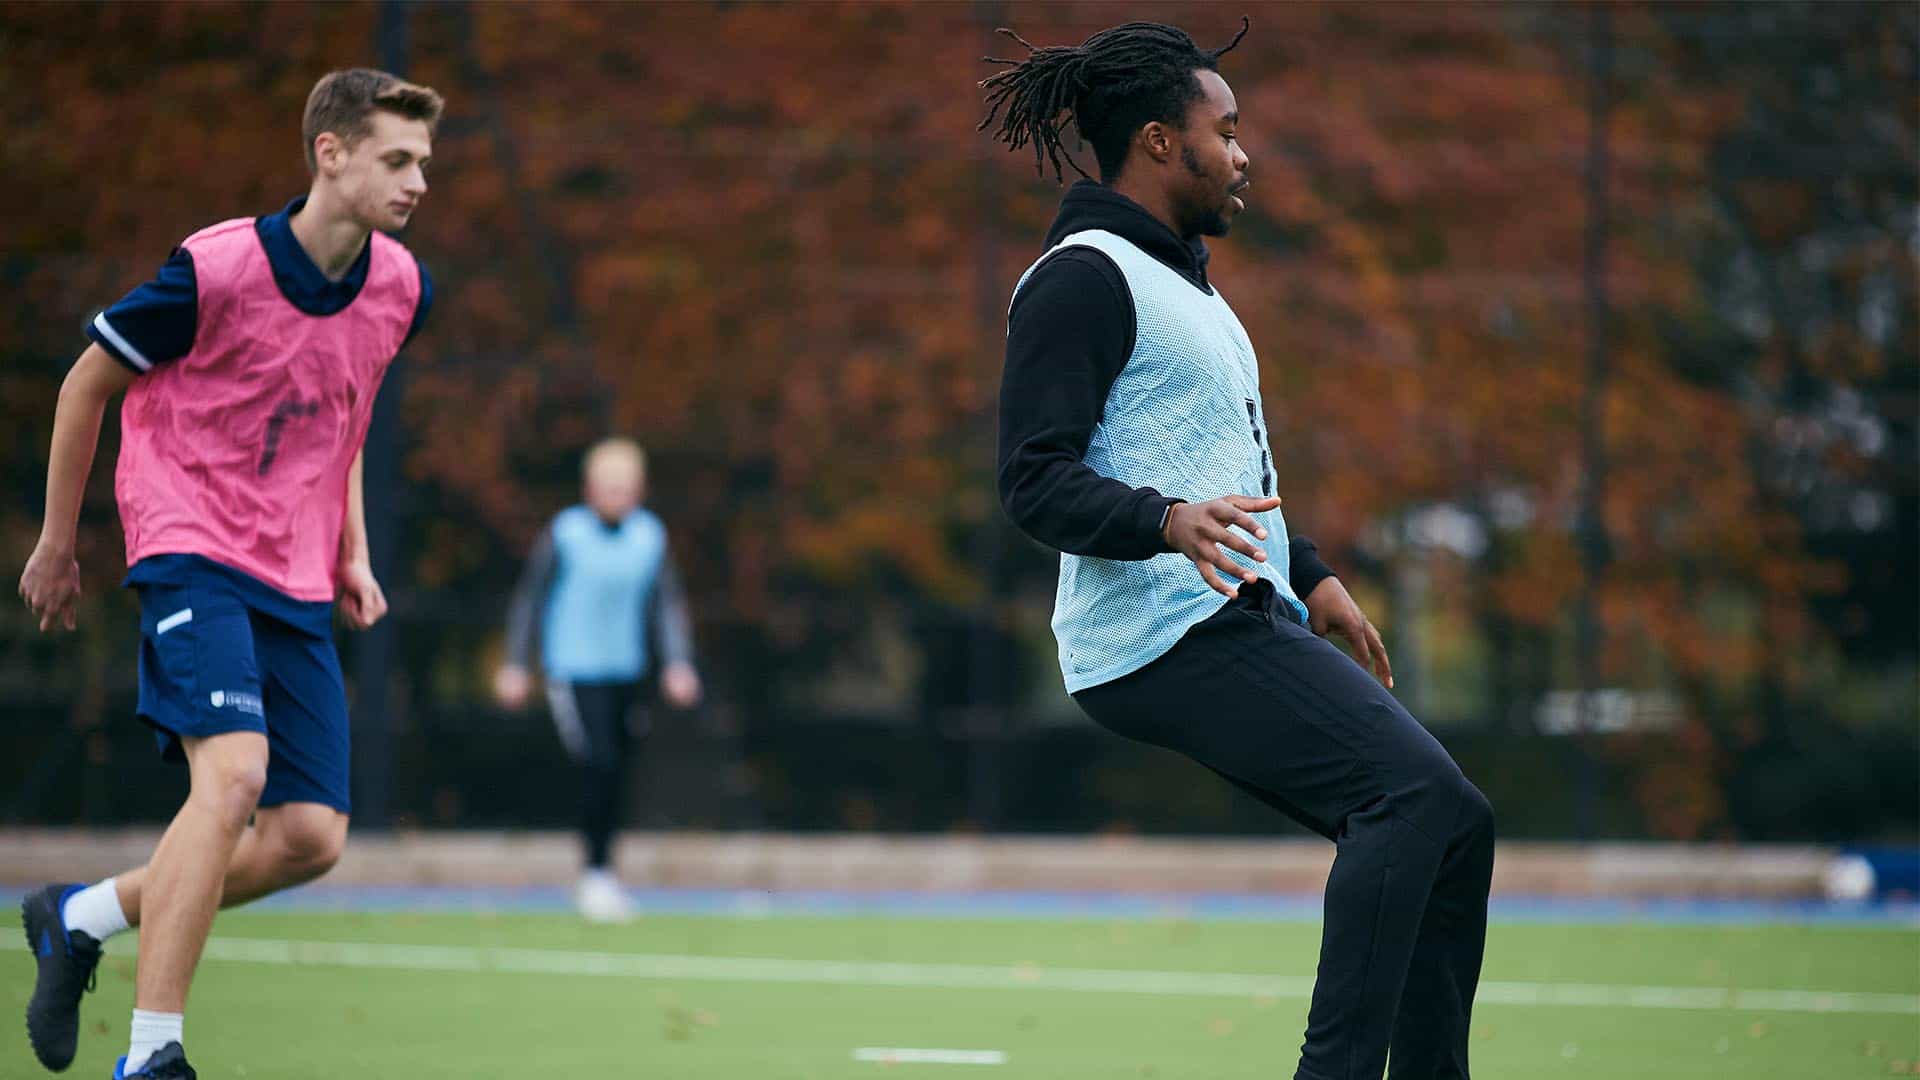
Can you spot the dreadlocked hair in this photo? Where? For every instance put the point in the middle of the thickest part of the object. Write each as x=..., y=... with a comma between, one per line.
x=1108, y=86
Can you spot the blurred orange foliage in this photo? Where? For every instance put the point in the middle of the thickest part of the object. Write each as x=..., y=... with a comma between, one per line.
x=769, y=241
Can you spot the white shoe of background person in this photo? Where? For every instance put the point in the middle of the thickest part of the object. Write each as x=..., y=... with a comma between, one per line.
x=601, y=899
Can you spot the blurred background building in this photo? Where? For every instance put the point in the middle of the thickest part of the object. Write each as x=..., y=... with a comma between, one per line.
x=1597, y=328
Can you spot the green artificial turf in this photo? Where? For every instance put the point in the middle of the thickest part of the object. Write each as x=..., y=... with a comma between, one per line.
x=545, y=996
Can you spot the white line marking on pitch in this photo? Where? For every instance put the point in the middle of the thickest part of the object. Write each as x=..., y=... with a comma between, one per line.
x=902, y=1055
x=988, y=977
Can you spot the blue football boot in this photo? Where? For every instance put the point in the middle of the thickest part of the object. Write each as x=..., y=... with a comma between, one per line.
x=68, y=963
x=168, y=1063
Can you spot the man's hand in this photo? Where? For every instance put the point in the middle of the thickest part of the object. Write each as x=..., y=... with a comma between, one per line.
x=511, y=686
x=1331, y=611
x=360, y=595
x=1199, y=530
x=51, y=587
x=680, y=684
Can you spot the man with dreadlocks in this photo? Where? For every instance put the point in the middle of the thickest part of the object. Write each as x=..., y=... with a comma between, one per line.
x=1133, y=439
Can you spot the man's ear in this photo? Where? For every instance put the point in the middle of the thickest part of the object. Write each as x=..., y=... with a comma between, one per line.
x=328, y=149
x=1157, y=140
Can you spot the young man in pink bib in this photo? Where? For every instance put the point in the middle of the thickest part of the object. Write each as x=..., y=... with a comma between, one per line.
x=250, y=365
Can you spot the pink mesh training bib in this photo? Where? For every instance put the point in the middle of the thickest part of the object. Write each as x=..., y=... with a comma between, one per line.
x=239, y=451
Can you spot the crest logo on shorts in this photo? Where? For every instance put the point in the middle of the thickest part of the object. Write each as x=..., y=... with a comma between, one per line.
x=237, y=699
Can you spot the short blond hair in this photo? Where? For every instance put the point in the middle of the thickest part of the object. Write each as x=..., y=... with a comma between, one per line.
x=615, y=451
x=344, y=102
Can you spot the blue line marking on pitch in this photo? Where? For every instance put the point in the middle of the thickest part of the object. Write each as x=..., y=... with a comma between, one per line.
x=1040, y=905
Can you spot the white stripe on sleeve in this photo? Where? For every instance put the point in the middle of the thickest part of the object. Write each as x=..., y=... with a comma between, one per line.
x=126, y=348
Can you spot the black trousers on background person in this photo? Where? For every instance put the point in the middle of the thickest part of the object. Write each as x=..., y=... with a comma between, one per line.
x=1289, y=718
x=599, y=728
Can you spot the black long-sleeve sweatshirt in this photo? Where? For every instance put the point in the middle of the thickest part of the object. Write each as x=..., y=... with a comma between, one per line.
x=1069, y=335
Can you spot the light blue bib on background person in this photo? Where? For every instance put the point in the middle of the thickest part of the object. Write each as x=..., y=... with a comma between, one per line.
x=1184, y=417
x=594, y=629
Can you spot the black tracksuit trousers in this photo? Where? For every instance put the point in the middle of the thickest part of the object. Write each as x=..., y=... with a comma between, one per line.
x=1292, y=720
x=600, y=731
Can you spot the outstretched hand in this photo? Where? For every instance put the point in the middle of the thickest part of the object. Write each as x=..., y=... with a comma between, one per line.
x=1201, y=531
x=1331, y=611
x=680, y=685
x=51, y=587
x=360, y=596
x=512, y=685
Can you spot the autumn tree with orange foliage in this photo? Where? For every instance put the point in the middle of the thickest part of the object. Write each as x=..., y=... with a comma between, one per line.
x=768, y=241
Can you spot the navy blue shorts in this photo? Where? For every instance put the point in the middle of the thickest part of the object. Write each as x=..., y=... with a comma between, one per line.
x=223, y=652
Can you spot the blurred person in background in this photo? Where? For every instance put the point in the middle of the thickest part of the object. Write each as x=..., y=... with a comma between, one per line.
x=250, y=365
x=601, y=600
x=1133, y=439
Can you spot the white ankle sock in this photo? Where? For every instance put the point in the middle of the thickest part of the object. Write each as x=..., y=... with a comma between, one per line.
x=95, y=911
x=151, y=1031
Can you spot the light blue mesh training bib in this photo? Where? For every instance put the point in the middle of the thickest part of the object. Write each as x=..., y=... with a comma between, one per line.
x=594, y=628
x=1185, y=418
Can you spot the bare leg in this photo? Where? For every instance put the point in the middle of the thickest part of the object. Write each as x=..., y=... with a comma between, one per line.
x=285, y=846
x=182, y=885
